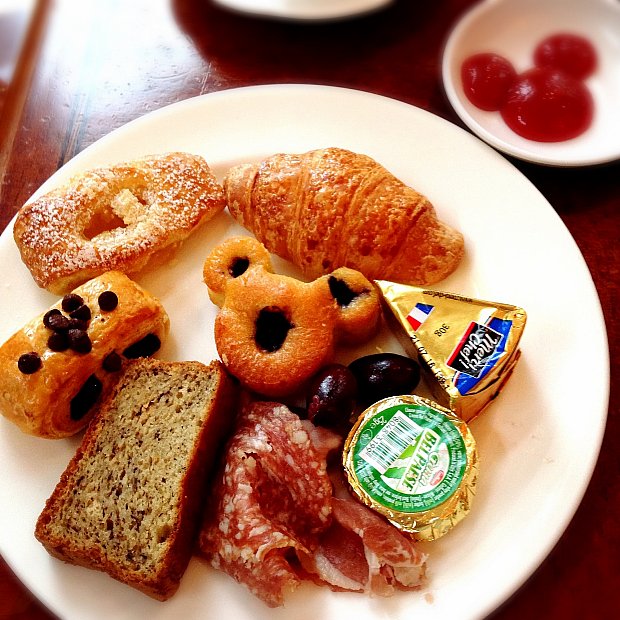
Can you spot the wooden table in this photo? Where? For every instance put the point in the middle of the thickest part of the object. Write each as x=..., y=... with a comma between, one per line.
x=87, y=67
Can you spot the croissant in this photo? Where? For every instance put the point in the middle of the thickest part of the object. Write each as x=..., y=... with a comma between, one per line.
x=331, y=208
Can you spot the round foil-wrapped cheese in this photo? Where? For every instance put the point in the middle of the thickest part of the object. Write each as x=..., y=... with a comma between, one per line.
x=414, y=462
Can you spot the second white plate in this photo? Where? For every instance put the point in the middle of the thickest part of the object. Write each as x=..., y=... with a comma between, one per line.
x=311, y=10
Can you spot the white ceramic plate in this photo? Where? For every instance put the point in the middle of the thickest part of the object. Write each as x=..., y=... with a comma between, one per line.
x=538, y=442
x=304, y=9
x=513, y=28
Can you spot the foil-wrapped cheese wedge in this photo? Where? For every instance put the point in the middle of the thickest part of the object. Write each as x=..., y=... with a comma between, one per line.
x=466, y=347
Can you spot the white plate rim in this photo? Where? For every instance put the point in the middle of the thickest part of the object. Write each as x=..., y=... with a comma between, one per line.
x=364, y=104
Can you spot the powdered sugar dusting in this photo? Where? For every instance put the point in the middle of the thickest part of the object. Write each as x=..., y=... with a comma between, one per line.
x=140, y=207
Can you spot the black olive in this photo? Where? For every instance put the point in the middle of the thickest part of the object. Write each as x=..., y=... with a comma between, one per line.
x=331, y=396
x=299, y=411
x=272, y=328
x=239, y=266
x=341, y=291
x=384, y=374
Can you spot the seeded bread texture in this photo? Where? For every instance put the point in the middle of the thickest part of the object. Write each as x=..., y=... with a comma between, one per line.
x=130, y=500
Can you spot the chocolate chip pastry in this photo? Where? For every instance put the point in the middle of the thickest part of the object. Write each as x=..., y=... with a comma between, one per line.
x=55, y=370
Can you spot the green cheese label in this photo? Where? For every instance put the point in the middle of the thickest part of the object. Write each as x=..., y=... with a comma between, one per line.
x=409, y=457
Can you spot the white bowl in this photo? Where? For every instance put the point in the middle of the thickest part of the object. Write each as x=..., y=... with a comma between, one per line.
x=513, y=28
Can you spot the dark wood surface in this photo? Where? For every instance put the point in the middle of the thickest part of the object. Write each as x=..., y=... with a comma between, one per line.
x=77, y=70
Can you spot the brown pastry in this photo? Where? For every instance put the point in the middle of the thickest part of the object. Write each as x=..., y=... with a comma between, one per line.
x=115, y=218
x=331, y=208
x=55, y=370
x=274, y=332
x=231, y=259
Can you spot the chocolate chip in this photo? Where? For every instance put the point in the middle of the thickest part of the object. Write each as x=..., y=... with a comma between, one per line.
x=78, y=324
x=29, y=363
x=71, y=302
x=57, y=321
x=143, y=348
x=48, y=316
x=85, y=398
x=79, y=341
x=112, y=362
x=108, y=300
x=58, y=341
x=82, y=313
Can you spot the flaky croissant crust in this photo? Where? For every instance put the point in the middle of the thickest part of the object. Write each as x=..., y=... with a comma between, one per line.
x=330, y=208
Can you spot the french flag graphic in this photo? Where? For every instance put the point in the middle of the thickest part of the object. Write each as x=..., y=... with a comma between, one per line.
x=418, y=315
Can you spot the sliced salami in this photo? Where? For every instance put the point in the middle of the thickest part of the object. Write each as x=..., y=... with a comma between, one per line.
x=273, y=499
x=393, y=559
x=274, y=520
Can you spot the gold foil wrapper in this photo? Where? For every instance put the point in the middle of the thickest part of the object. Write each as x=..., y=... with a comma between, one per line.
x=467, y=348
x=415, y=463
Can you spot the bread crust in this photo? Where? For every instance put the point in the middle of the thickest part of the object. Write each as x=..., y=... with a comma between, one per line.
x=331, y=208
x=159, y=575
x=40, y=403
x=121, y=217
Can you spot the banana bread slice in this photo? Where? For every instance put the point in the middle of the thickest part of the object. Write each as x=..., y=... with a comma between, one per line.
x=130, y=501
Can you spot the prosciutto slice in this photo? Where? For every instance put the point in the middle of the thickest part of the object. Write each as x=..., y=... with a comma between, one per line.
x=273, y=498
x=361, y=551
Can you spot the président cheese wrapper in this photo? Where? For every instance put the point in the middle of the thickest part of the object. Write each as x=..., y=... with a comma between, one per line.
x=467, y=348
x=414, y=462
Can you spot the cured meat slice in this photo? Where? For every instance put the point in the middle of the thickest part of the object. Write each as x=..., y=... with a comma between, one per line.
x=273, y=519
x=361, y=551
x=324, y=440
x=272, y=499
